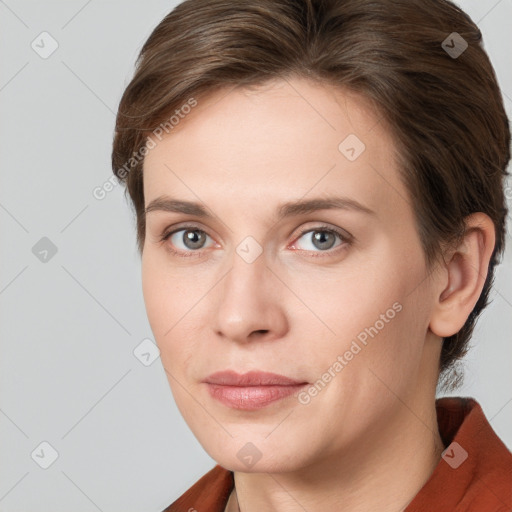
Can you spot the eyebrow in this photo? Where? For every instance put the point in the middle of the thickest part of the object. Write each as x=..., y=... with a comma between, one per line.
x=288, y=209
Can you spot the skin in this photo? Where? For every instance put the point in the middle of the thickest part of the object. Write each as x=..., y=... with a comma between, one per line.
x=369, y=439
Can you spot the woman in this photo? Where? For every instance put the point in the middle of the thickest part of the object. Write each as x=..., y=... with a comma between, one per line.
x=319, y=196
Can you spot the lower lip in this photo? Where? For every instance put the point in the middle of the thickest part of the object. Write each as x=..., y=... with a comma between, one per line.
x=251, y=397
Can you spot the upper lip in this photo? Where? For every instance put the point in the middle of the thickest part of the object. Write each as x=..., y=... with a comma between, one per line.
x=252, y=378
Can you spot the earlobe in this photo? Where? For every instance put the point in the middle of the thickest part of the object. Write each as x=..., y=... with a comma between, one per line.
x=462, y=281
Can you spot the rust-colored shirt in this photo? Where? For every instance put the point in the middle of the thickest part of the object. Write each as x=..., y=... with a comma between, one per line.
x=473, y=475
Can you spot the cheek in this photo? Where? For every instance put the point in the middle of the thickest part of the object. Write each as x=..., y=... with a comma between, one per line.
x=162, y=307
x=172, y=309
x=381, y=305
x=167, y=294
x=351, y=299
x=380, y=356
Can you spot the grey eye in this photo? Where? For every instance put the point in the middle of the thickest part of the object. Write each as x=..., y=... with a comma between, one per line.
x=319, y=239
x=190, y=239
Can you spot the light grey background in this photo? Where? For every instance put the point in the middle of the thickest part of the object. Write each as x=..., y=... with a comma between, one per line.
x=69, y=325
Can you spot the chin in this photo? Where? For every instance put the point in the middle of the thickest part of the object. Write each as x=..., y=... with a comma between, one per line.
x=248, y=457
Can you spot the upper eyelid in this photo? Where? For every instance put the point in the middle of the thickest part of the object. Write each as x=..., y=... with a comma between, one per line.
x=191, y=227
x=324, y=227
x=318, y=227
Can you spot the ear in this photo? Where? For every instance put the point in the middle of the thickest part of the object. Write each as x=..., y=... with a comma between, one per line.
x=463, y=276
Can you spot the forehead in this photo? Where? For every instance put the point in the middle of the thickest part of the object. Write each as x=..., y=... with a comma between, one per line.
x=282, y=140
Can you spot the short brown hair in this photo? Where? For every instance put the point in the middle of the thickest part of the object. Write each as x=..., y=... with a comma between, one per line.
x=446, y=111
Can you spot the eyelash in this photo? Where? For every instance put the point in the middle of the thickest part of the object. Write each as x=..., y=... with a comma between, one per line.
x=346, y=240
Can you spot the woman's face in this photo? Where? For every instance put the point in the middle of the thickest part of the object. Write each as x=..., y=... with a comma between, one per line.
x=336, y=297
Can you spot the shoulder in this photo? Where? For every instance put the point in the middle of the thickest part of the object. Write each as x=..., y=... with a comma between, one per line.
x=475, y=471
x=209, y=494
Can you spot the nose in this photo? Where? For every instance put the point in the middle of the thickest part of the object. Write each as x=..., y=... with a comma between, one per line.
x=250, y=303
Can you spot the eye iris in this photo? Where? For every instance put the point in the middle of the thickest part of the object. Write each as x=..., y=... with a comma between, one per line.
x=193, y=239
x=320, y=236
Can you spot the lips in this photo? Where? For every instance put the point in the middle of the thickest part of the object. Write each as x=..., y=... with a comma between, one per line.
x=253, y=378
x=252, y=390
